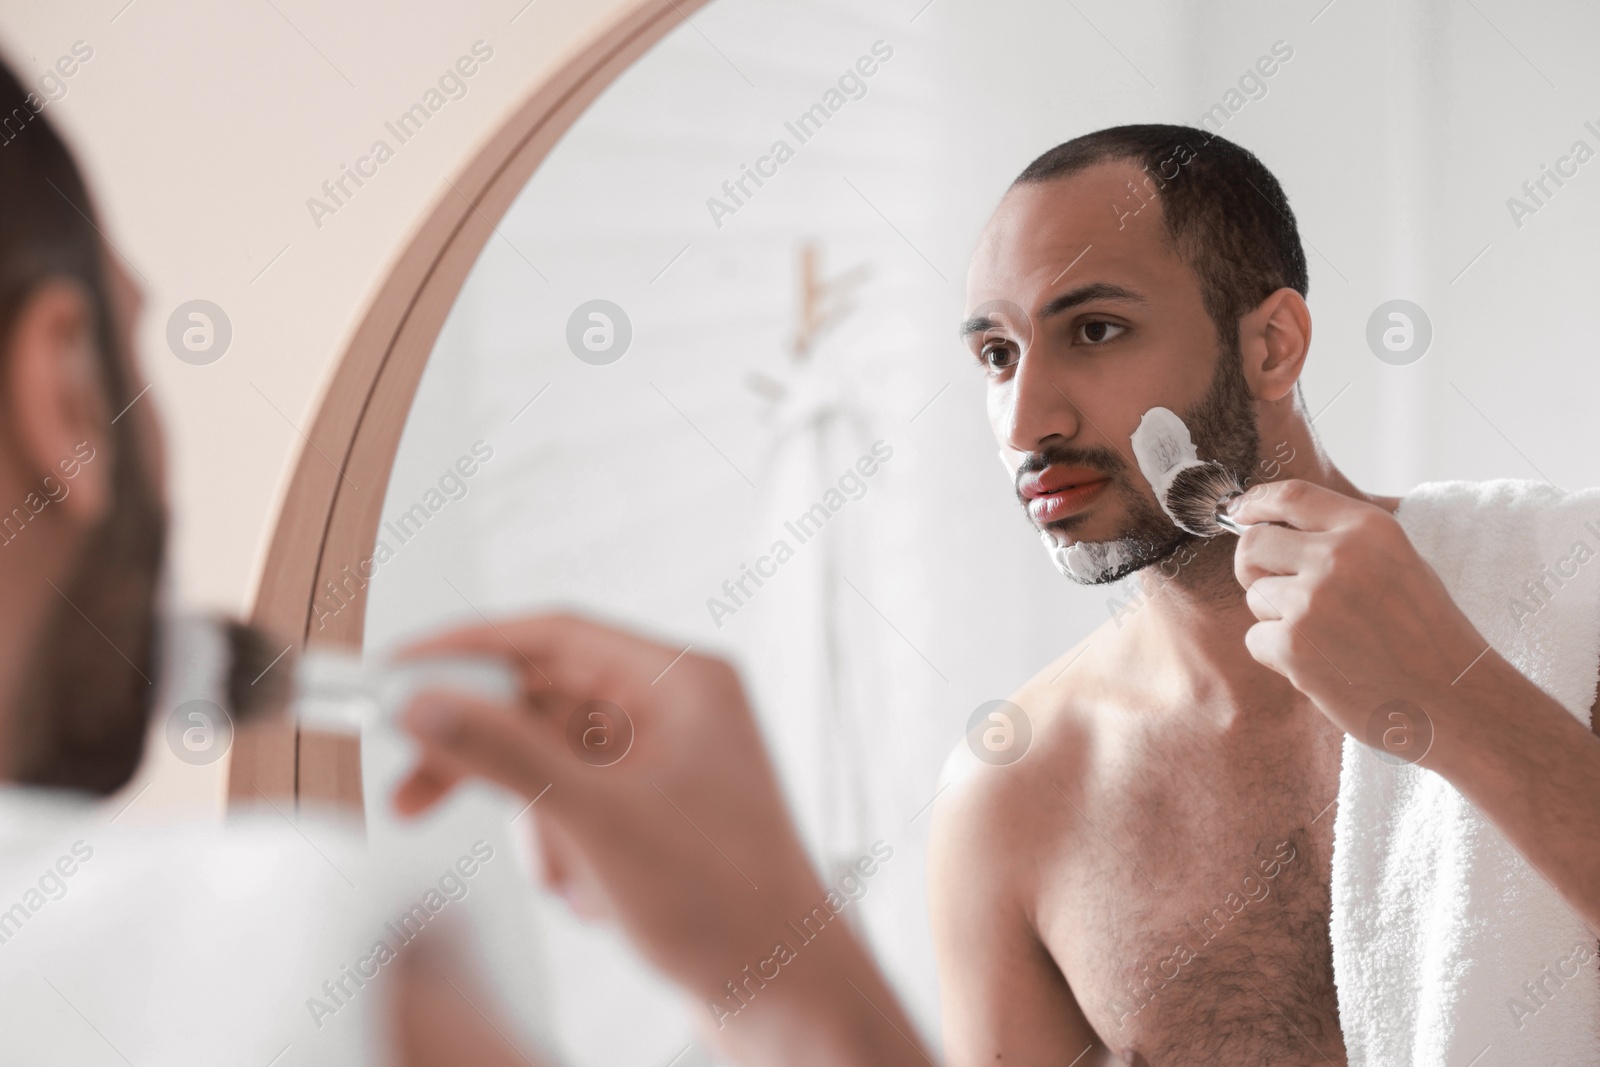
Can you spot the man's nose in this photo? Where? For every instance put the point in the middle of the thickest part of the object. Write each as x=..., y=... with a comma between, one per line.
x=1039, y=408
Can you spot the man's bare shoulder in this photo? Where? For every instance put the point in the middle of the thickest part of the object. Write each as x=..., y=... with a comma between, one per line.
x=1010, y=781
x=1004, y=804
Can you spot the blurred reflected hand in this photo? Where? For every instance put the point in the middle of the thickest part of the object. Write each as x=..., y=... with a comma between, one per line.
x=658, y=806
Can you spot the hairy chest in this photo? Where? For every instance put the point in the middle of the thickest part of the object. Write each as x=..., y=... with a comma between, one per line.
x=1190, y=917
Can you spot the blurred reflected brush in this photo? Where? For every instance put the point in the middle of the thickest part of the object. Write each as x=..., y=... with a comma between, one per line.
x=1196, y=496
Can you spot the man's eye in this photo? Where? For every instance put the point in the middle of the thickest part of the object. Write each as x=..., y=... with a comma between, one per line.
x=997, y=357
x=1098, y=332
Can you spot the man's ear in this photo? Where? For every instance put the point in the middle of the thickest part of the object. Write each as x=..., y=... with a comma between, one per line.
x=1273, y=340
x=56, y=397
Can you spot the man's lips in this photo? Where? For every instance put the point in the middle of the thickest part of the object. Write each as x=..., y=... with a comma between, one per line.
x=1055, y=493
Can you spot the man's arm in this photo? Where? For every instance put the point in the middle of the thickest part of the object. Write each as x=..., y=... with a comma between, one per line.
x=1534, y=771
x=686, y=837
x=1003, y=1000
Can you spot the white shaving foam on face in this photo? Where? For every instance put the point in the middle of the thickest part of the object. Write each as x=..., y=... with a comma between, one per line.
x=1162, y=447
x=1088, y=562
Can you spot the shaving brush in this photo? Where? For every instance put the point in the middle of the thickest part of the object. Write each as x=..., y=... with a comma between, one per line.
x=1196, y=496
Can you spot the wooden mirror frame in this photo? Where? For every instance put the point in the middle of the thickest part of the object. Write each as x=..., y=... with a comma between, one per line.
x=328, y=520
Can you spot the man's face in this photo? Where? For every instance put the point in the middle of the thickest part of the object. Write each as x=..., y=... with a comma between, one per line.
x=1084, y=318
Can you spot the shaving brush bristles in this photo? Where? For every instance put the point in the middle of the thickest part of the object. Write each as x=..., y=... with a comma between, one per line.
x=1195, y=496
x=259, y=672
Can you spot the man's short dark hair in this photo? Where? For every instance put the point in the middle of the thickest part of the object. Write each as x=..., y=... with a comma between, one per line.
x=1225, y=213
x=45, y=227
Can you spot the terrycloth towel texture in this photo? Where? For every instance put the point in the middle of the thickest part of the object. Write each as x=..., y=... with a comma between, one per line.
x=1446, y=943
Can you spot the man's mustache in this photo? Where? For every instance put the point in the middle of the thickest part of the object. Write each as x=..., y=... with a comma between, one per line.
x=1104, y=461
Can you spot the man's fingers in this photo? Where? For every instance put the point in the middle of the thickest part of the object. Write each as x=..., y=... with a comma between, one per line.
x=425, y=786
x=462, y=736
x=1266, y=550
x=1293, y=502
x=1273, y=597
x=587, y=659
x=565, y=871
x=1267, y=643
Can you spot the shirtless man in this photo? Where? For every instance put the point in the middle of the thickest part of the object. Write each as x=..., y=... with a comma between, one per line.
x=1152, y=883
x=1155, y=874
x=82, y=535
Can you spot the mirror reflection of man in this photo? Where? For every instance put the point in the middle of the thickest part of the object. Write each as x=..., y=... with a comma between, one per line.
x=196, y=944
x=1185, y=757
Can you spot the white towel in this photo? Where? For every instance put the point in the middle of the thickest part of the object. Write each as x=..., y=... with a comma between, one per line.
x=1448, y=948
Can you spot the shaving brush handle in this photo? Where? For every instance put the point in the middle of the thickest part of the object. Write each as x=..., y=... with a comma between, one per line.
x=1227, y=522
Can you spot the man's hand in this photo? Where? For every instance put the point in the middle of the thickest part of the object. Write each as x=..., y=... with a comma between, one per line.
x=684, y=839
x=1351, y=614
x=1358, y=621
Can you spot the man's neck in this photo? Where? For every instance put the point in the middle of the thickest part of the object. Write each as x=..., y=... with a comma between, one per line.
x=1197, y=616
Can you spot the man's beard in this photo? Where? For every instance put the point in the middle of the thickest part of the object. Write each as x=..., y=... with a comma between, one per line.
x=1224, y=429
x=83, y=708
